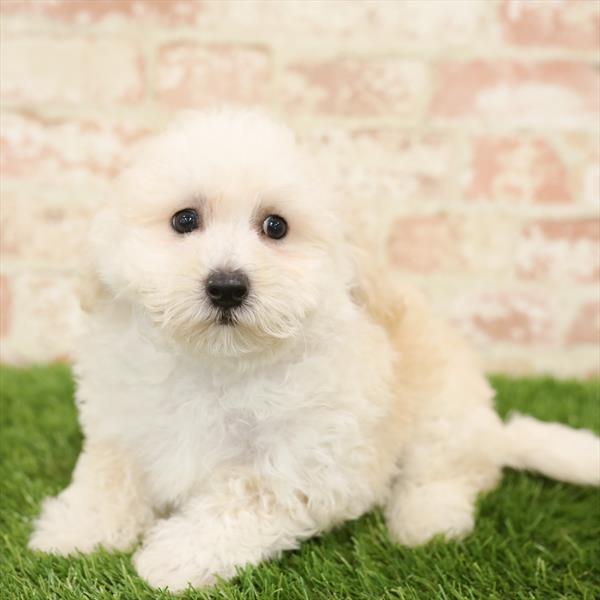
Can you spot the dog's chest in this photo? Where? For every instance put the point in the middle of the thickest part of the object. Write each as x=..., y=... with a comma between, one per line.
x=188, y=430
x=186, y=424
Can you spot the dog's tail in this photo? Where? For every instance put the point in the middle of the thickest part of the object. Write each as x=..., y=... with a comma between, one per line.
x=555, y=450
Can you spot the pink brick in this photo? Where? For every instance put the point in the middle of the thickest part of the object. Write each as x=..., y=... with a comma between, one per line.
x=425, y=244
x=517, y=169
x=202, y=75
x=491, y=317
x=44, y=318
x=59, y=226
x=41, y=70
x=357, y=87
x=561, y=250
x=588, y=173
x=467, y=243
x=570, y=24
x=585, y=328
x=94, y=12
x=64, y=149
x=455, y=23
x=376, y=164
x=583, y=153
x=5, y=306
x=555, y=93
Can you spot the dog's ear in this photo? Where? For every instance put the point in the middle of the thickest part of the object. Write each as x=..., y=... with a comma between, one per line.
x=374, y=287
x=90, y=290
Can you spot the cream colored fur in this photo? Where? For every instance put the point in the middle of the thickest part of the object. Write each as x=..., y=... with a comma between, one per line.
x=335, y=392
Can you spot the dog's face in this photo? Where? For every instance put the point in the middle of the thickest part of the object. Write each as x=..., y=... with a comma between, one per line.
x=219, y=234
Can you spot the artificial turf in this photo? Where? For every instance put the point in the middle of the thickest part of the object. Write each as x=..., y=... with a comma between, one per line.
x=535, y=538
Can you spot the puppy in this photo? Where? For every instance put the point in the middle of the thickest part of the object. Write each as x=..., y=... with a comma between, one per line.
x=250, y=377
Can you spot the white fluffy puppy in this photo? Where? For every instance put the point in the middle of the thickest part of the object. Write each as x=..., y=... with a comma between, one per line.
x=249, y=376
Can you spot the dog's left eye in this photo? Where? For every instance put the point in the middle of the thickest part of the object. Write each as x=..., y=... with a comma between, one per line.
x=185, y=220
x=275, y=227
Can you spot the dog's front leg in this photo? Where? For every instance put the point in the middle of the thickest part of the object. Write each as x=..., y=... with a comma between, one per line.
x=103, y=506
x=238, y=524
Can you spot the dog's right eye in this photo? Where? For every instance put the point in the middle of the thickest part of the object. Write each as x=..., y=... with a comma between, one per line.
x=185, y=221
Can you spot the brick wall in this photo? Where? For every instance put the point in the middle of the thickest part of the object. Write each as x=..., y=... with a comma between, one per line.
x=472, y=126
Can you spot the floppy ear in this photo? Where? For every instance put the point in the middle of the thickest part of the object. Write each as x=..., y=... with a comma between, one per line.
x=90, y=290
x=375, y=288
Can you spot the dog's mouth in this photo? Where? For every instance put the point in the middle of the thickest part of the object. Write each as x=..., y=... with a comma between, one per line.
x=227, y=317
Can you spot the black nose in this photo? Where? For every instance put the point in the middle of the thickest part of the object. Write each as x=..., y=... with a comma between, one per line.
x=227, y=289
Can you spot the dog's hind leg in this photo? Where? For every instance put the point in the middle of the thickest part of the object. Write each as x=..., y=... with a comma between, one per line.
x=450, y=461
x=442, y=472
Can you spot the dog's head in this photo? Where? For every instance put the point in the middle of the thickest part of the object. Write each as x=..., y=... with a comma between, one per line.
x=220, y=234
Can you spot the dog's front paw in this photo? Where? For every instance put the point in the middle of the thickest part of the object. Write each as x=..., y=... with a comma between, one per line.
x=177, y=554
x=68, y=525
x=58, y=530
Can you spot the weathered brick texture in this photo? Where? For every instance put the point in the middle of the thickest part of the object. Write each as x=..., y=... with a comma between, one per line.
x=41, y=70
x=517, y=169
x=567, y=24
x=201, y=75
x=357, y=87
x=567, y=251
x=542, y=93
x=471, y=127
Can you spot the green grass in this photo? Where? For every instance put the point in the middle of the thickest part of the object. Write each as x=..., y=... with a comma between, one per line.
x=535, y=538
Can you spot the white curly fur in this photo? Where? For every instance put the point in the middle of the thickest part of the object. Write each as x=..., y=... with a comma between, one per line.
x=334, y=391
